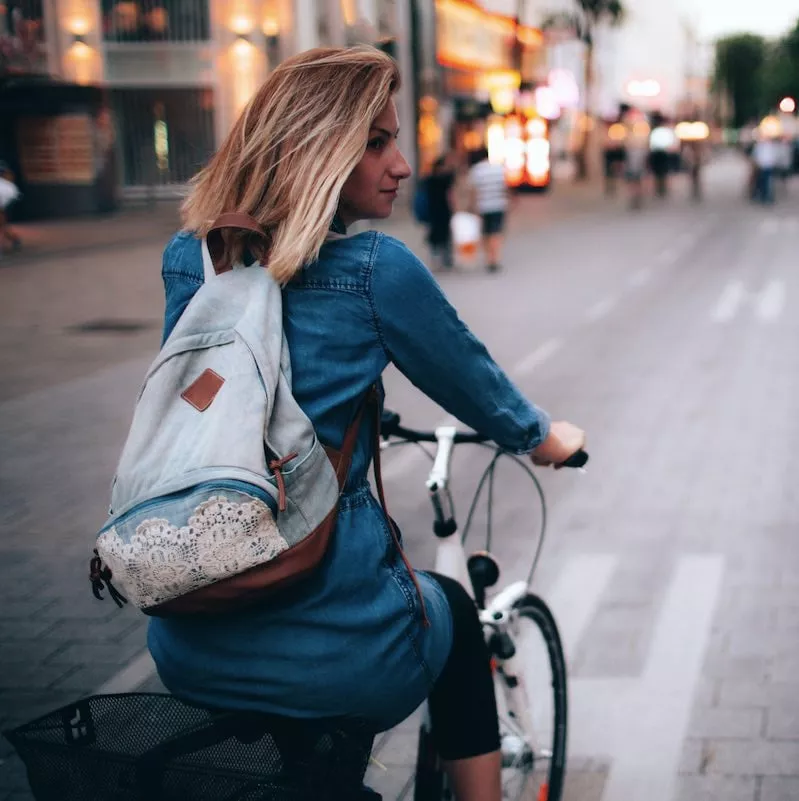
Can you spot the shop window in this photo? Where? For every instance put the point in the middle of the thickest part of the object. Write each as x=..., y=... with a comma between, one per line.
x=156, y=20
x=164, y=136
x=22, y=37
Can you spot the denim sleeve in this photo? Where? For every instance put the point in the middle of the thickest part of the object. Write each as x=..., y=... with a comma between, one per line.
x=182, y=275
x=423, y=335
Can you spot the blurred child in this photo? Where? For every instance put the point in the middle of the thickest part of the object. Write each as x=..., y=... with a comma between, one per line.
x=8, y=194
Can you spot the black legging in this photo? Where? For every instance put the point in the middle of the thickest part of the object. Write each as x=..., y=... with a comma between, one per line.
x=463, y=709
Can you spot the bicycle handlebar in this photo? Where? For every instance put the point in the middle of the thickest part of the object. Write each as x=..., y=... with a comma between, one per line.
x=390, y=427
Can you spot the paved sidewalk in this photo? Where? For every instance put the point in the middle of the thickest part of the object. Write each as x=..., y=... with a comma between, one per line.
x=134, y=225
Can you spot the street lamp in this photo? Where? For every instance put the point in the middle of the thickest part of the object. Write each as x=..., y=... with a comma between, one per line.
x=787, y=105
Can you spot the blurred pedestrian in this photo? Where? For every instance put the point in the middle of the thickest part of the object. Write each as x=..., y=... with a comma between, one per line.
x=490, y=194
x=8, y=194
x=614, y=156
x=662, y=143
x=785, y=162
x=766, y=156
x=439, y=187
x=637, y=156
x=693, y=156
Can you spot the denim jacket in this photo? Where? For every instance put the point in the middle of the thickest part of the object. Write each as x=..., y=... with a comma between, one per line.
x=349, y=640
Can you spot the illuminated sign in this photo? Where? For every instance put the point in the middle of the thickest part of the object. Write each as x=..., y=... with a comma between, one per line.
x=647, y=88
x=470, y=38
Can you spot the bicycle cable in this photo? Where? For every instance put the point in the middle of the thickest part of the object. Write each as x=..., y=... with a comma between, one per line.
x=488, y=475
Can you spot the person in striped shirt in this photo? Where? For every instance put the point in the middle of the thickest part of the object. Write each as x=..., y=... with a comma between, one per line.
x=490, y=196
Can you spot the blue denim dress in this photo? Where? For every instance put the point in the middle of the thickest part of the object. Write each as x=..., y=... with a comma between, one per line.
x=349, y=640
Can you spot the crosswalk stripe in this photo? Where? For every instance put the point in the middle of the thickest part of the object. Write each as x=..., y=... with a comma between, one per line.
x=731, y=298
x=538, y=357
x=771, y=301
x=601, y=309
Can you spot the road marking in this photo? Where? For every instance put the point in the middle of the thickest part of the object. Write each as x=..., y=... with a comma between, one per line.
x=640, y=277
x=771, y=301
x=576, y=595
x=130, y=677
x=540, y=355
x=641, y=723
x=731, y=299
x=768, y=303
x=601, y=309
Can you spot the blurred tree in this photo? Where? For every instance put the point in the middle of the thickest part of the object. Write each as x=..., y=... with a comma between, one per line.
x=587, y=16
x=739, y=72
x=781, y=69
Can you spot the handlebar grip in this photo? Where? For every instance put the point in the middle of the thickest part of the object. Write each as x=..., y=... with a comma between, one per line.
x=576, y=460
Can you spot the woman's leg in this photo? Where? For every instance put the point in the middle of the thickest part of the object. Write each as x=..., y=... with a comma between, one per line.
x=463, y=708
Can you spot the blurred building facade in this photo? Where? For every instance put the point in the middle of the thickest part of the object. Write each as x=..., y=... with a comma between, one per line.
x=177, y=72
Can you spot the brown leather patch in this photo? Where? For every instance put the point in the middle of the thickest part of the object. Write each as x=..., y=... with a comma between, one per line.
x=201, y=393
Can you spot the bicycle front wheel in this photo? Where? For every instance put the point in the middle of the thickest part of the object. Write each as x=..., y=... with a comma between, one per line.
x=534, y=742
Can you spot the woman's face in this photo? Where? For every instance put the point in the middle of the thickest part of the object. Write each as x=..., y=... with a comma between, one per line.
x=371, y=189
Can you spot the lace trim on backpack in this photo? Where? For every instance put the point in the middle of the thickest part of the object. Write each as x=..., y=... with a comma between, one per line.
x=162, y=561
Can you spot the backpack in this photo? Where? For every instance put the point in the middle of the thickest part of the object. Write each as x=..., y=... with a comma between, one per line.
x=421, y=203
x=223, y=493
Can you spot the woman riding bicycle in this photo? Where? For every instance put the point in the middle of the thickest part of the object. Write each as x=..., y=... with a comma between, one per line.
x=314, y=151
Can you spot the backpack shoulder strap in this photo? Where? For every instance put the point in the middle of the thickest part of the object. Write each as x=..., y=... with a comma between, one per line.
x=216, y=244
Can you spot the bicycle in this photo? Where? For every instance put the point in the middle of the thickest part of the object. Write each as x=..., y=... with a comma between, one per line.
x=533, y=752
x=145, y=746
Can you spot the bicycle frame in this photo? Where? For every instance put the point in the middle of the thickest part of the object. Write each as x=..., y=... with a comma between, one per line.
x=451, y=561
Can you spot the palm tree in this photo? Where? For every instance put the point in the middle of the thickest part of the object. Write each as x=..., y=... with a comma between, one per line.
x=584, y=21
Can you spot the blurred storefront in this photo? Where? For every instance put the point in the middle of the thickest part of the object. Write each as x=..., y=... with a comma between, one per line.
x=175, y=73
x=483, y=59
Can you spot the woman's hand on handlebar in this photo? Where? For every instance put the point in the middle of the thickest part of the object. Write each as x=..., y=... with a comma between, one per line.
x=563, y=441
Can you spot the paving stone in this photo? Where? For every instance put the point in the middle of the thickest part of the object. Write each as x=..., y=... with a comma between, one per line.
x=721, y=723
x=756, y=693
x=694, y=756
x=785, y=668
x=22, y=706
x=706, y=693
x=753, y=758
x=76, y=630
x=35, y=608
x=716, y=788
x=85, y=679
x=25, y=676
x=783, y=720
x=617, y=642
x=584, y=785
x=27, y=631
x=13, y=775
x=32, y=651
x=758, y=641
x=781, y=788
x=114, y=654
x=723, y=666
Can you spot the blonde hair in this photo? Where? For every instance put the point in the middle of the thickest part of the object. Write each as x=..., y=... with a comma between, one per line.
x=290, y=152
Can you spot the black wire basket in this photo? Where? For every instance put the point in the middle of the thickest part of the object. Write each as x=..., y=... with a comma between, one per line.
x=154, y=747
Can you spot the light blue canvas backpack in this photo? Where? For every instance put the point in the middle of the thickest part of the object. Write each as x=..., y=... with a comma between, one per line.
x=223, y=492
